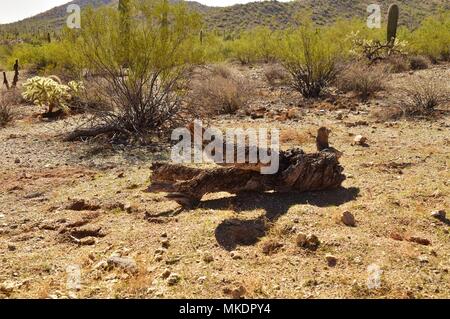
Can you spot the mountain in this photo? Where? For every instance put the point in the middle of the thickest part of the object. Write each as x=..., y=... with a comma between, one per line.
x=243, y=16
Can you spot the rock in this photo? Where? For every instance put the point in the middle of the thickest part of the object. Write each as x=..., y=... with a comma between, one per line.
x=360, y=140
x=164, y=235
x=423, y=259
x=87, y=241
x=125, y=263
x=2, y=216
x=81, y=204
x=348, y=219
x=7, y=287
x=238, y=292
x=201, y=279
x=331, y=260
x=158, y=257
x=165, y=243
x=235, y=255
x=439, y=214
x=301, y=240
x=173, y=279
x=208, y=257
x=17, y=161
x=160, y=251
x=11, y=247
x=310, y=241
x=166, y=273
x=419, y=240
x=270, y=247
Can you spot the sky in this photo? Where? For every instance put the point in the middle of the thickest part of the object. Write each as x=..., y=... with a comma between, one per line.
x=15, y=10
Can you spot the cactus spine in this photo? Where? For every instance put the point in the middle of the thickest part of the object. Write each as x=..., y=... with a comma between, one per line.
x=393, y=14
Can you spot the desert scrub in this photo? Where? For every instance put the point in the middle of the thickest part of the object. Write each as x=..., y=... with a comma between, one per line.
x=8, y=99
x=143, y=83
x=310, y=57
x=48, y=92
x=218, y=90
x=275, y=74
x=362, y=79
x=418, y=62
x=422, y=97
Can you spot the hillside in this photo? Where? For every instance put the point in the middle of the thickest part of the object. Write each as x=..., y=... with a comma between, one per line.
x=270, y=13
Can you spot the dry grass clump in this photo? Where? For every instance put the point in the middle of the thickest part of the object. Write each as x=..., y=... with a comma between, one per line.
x=218, y=90
x=7, y=100
x=362, y=79
x=276, y=74
x=397, y=64
x=419, y=62
x=422, y=97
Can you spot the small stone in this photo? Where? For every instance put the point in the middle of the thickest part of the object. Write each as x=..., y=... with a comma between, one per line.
x=17, y=161
x=165, y=243
x=238, y=292
x=103, y=264
x=126, y=263
x=7, y=287
x=158, y=257
x=419, y=240
x=348, y=219
x=423, y=259
x=208, y=257
x=360, y=140
x=2, y=216
x=235, y=255
x=160, y=251
x=270, y=247
x=173, y=279
x=166, y=273
x=301, y=240
x=439, y=214
x=164, y=234
x=201, y=279
x=11, y=247
x=331, y=260
x=87, y=241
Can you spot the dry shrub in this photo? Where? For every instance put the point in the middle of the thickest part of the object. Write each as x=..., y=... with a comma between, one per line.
x=384, y=114
x=397, y=64
x=422, y=97
x=419, y=62
x=362, y=79
x=8, y=99
x=276, y=74
x=218, y=90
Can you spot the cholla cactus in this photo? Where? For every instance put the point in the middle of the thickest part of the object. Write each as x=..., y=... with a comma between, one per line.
x=47, y=92
x=374, y=50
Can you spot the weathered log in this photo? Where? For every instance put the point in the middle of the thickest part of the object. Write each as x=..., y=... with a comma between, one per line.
x=298, y=172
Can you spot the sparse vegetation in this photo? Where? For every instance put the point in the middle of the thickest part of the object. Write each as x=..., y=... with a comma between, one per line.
x=219, y=91
x=310, y=58
x=6, y=108
x=422, y=97
x=363, y=79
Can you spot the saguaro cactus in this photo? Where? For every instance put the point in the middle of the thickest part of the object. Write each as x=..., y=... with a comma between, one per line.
x=393, y=14
x=124, y=10
x=16, y=74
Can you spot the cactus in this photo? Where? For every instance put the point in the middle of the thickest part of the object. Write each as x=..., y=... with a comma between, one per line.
x=393, y=14
x=16, y=74
x=124, y=10
x=201, y=36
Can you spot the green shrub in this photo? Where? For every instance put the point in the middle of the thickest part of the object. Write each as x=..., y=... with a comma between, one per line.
x=310, y=57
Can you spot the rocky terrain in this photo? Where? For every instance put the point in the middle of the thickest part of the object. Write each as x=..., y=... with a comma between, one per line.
x=75, y=221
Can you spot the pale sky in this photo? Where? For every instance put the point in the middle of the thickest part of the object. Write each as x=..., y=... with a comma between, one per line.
x=14, y=10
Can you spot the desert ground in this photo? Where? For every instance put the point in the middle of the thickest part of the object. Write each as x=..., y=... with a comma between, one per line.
x=80, y=208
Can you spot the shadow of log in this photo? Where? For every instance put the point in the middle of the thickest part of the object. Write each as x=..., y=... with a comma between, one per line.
x=233, y=232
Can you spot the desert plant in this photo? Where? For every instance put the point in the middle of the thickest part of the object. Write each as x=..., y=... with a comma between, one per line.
x=310, y=58
x=48, y=92
x=421, y=97
x=393, y=13
x=7, y=100
x=362, y=79
x=418, y=62
x=145, y=93
x=276, y=74
x=218, y=90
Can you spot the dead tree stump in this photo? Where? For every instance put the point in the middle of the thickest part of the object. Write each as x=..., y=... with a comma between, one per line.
x=5, y=81
x=298, y=172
